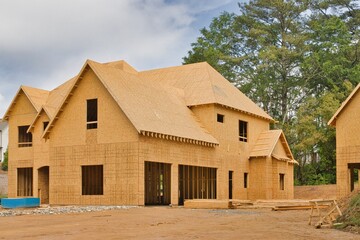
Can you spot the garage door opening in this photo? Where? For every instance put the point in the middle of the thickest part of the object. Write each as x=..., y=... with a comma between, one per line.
x=196, y=183
x=157, y=183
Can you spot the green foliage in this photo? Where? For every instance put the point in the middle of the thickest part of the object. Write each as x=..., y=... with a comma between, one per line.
x=351, y=216
x=215, y=45
x=298, y=60
x=4, y=165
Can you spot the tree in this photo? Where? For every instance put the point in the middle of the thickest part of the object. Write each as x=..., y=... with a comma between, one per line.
x=261, y=51
x=315, y=145
x=4, y=165
x=215, y=45
x=298, y=60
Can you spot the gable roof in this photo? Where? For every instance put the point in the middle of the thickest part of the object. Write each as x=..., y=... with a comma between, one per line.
x=202, y=84
x=332, y=121
x=36, y=97
x=53, y=101
x=156, y=102
x=265, y=145
x=147, y=104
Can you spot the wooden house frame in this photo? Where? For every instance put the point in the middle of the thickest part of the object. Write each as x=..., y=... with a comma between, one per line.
x=347, y=123
x=115, y=135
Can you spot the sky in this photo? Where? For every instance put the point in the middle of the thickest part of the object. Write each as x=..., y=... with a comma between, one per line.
x=44, y=43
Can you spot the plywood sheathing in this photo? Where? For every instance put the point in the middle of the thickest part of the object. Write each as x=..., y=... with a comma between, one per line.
x=36, y=96
x=266, y=143
x=332, y=121
x=202, y=84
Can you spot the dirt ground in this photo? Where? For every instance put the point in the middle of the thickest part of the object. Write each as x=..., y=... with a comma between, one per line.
x=168, y=223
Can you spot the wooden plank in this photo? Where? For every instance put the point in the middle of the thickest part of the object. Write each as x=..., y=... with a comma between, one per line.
x=298, y=207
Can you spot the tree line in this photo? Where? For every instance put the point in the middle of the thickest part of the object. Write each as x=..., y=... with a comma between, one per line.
x=298, y=60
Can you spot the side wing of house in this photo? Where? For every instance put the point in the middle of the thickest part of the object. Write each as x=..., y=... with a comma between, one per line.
x=20, y=115
x=271, y=167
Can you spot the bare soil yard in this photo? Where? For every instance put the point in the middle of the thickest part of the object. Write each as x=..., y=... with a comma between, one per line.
x=168, y=223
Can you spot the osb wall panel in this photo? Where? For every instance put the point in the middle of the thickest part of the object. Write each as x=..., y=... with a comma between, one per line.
x=283, y=168
x=345, y=155
x=348, y=124
x=23, y=113
x=232, y=154
x=279, y=149
x=40, y=145
x=113, y=125
x=121, y=174
x=258, y=178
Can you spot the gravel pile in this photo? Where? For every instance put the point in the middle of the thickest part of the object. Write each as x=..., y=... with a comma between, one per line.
x=58, y=210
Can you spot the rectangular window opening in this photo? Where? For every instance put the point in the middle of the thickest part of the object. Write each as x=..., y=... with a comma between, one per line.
x=220, y=118
x=24, y=138
x=92, y=179
x=246, y=180
x=282, y=181
x=24, y=182
x=243, y=136
x=92, y=113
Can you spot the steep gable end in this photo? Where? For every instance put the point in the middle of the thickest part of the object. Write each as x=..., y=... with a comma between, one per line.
x=353, y=94
x=53, y=101
x=37, y=98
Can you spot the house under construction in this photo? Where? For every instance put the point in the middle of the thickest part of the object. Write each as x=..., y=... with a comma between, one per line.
x=114, y=135
x=347, y=122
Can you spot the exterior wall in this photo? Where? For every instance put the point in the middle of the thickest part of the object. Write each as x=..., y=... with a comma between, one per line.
x=114, y=144
x=175, y=153
x=41, y=152
x=259, y=179
x=232, y=154
x=23, y=113
x=265, y=176
x=347, y=144
x=282, y=167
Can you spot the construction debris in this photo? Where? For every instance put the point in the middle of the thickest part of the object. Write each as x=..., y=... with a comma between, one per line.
x=326, y=217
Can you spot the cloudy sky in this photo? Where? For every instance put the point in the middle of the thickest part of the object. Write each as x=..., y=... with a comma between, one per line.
x=44, y=43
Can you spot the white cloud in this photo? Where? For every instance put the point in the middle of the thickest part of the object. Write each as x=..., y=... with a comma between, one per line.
x=43, y=43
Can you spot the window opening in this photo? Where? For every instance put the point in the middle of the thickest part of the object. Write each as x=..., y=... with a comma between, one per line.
x=92, y=113
x=245, y=180
x=220, y=118
x=243, y=131
x=45, y=124
x=25, y=138
x=282, y=181
x=92, y=180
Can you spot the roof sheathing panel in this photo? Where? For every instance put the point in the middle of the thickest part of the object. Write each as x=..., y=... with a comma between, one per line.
x=202, y=84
